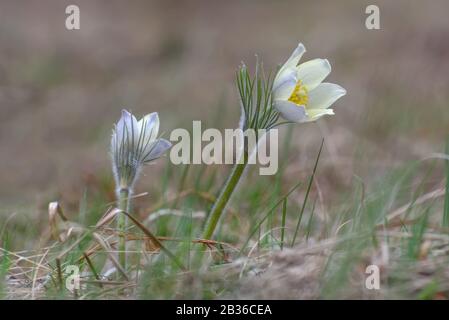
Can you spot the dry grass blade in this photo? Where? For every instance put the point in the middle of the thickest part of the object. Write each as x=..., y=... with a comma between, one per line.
x=173, y=212
x=154, y=247
x=36, y=272
x=111, y=256
x=424, y=198
x=104, y=220
x=140, y=195
x=73, y=245
x=155, y=240
x=92, y=268
x=201, y=194
x=54, y=210
x=107, y=217
x=23, y=258
x=103, y=282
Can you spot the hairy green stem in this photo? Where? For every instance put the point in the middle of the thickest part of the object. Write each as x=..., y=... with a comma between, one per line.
x=224, y=196
x=123, y=204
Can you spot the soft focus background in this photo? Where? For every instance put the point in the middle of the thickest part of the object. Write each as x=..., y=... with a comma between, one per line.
x=61, y=91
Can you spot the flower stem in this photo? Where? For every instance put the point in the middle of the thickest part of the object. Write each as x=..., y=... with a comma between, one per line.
x=223, y=198
x=123, y=204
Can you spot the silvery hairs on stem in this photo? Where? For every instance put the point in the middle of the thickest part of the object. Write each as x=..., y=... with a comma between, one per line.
x=256, y=99
x=133, y=144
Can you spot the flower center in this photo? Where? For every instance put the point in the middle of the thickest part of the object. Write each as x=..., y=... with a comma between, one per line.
x=299, y=95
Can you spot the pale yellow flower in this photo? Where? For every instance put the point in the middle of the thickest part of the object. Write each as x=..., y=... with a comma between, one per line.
x=298, y=91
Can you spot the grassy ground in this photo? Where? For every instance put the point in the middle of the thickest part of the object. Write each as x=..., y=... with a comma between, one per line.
x=379, y=195
x=398, y=223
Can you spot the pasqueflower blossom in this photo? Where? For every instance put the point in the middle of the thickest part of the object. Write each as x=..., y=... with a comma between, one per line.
x=133, y=144
x=299, y=93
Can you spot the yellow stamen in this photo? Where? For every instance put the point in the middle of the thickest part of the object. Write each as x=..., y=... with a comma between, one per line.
x=299, y=95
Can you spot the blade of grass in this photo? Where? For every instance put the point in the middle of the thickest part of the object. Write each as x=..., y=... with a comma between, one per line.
x=307, y=193
x=418, y=230
x=309, y=223
x=182, y=182
x=284, y=213
x=420, y=189
x=59, y=270
x=257, y=226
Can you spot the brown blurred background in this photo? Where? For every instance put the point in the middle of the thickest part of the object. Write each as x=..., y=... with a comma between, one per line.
x=61, y=91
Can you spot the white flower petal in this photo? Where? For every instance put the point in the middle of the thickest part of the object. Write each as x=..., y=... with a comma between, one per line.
x=325, y=95
x=287, y=75
x=295, y=57
x=315, y=114
x=157, y=149
x=290, y=64
x=149, y=127
x=282, y=90
x=313, y=72
x=291, y=111
x=127, y=129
